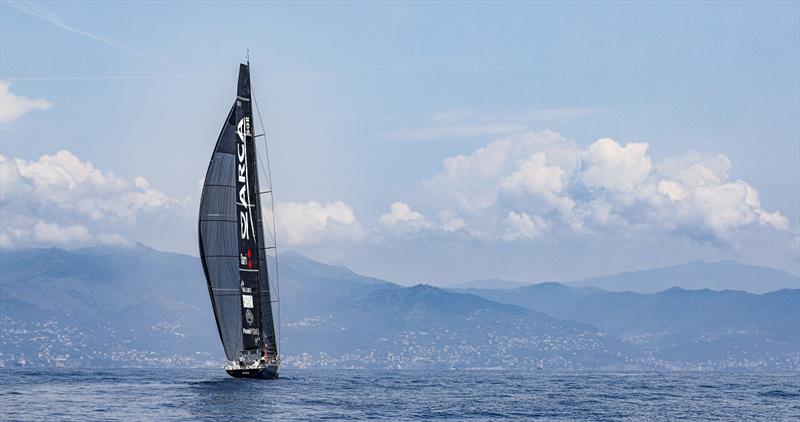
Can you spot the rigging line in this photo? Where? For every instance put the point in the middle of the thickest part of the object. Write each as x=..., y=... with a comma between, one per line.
x=269, y=229
x=265, y=164
x=266, y=176
x=275, y=241
x=272, y=206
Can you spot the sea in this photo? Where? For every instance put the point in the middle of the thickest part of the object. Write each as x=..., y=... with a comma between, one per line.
x=170, y=394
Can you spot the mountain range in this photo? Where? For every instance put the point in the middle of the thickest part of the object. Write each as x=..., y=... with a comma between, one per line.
x=141, y=307
x=487, y=283
x=683, y=327
x=720, y=275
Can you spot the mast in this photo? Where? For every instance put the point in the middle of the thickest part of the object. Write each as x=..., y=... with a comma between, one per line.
x=269, y=339
x=249, y=214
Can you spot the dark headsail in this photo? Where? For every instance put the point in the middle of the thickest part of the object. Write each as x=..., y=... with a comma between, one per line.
x=232, y=238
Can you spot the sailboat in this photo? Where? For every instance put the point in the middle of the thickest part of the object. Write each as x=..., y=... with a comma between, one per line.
x=233, y=248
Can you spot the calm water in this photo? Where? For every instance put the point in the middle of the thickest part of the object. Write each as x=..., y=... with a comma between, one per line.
x=398, y=395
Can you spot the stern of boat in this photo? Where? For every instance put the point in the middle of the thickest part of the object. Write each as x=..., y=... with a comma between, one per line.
x=266, y=372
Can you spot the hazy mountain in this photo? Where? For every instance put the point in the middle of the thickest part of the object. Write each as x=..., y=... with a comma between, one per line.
x=721, y=275
x=692, y=327
x=487, y=283
x=104, y=305
x=143, y=307
x=423, y=326
x=336, y=318
x=308, y=287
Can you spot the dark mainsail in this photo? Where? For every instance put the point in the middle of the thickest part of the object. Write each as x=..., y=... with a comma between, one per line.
x=231, y=238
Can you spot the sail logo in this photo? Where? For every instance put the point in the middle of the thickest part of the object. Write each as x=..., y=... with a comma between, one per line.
x=245, y=289
x=243, y=128
x=246, y=215
x=247, y=301
x=246, y=260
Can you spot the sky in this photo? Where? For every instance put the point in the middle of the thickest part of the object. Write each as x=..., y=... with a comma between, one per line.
x=418, y=142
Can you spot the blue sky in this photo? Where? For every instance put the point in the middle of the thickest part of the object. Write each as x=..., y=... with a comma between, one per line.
x=364, y=102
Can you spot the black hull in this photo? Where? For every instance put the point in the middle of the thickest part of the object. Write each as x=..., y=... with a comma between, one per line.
x=270, y=372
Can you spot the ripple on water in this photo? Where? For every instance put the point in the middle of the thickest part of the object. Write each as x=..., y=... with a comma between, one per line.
x=780, y=394
x=407, y=395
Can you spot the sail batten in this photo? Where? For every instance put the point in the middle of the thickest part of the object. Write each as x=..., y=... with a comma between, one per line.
x=231, y=237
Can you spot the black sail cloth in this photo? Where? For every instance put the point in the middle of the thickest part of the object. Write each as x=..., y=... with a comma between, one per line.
x=231, y=236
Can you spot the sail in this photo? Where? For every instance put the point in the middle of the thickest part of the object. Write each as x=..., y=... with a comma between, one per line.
x=231, y=237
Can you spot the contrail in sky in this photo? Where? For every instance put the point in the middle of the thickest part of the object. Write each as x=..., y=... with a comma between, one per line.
x=115, y=77
x=285, y=74
x=37, y=12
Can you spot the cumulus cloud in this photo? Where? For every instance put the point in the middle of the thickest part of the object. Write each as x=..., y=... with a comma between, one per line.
x=701, y=194
x=50, y=233
x=531, y=164
x=523, y=226
x=310, y=223
x=403, y=219
x=519, y=186
x=65, y=182
x=537, y=181
x=61, y=200
x=450, y=221
x=13, y=106
x=610, y=165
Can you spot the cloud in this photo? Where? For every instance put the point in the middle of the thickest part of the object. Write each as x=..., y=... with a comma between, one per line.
x=65, y=182
x=311, y=223
x=402, y=218
x=542, y=184
x=61, y=200
x=700, y=193
x=14, y=106
x=50, y=233
x=523, y=226
x=520, y=185
x=529, y=167
x=610, y=165
x=534, y=176
x=450, y=221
